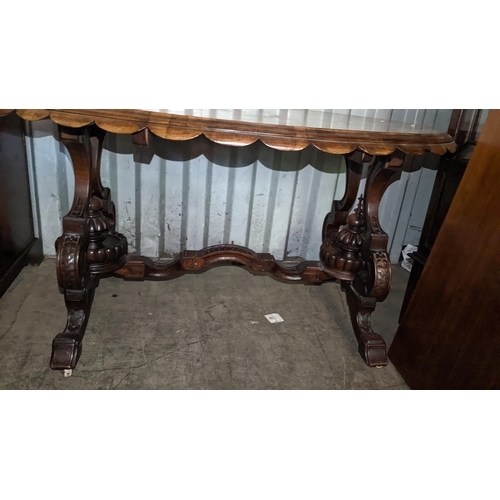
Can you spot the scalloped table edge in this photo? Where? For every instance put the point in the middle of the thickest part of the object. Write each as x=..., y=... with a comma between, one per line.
x=237, y=133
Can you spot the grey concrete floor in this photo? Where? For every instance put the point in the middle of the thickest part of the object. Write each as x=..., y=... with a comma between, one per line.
x=204, y=331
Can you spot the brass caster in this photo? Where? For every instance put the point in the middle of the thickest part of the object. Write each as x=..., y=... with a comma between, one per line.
x=67, y=373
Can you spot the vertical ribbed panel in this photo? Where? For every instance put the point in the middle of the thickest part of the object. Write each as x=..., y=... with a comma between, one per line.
x=173, y=196
x=267, y=200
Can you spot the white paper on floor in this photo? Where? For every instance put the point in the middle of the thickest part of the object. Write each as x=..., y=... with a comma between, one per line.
x=274, y=318
x=407, y=260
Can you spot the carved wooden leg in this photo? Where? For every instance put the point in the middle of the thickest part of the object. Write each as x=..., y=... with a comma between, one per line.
x=356, y=253
x=67, y=346
x=89, y=248
x=371, y=345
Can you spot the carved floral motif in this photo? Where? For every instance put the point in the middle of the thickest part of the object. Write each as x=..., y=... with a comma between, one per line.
x=382, y=278
x=69, y=264
x=192, y=263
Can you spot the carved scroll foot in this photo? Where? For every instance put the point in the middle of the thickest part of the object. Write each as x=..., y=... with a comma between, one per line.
x=67, y=346
x=372, y=346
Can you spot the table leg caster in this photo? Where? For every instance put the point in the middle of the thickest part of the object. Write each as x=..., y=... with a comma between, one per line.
x=67, y=373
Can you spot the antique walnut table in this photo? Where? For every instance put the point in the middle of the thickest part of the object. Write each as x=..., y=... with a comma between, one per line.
x=354, y=248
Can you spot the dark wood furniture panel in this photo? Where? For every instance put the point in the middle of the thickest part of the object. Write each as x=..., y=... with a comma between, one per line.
x=449, y=336
x=18, y=245
x=464, y=128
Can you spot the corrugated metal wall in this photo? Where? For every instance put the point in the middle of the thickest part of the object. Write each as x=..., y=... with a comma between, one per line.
x=187, y=195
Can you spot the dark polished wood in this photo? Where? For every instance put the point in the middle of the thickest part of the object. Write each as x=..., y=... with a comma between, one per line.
x=89, y=248
x=463, y=128
x=354, y=248
x=142, y=268
x=449, y=336
x=18, y=244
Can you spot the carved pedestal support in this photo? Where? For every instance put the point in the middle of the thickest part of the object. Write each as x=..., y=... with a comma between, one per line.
x=89, y=247
x=354, y=249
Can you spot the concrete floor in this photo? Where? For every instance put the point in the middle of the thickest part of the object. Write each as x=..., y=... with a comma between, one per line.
x=204, y=331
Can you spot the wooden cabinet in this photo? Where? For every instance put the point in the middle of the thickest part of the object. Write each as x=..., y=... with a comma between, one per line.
x=449, y=336
x=18, y=245
x=464, y=127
